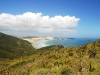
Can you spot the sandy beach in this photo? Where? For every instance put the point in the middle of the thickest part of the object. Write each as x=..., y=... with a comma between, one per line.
x=33, y=41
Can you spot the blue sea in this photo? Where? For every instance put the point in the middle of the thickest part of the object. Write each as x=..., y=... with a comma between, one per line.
x=65, y=43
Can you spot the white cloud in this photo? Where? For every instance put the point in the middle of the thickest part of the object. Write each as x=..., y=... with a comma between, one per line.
x=38, y=23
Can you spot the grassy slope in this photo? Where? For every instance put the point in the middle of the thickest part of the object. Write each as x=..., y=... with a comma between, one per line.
x=12, y=47
x=81, y=60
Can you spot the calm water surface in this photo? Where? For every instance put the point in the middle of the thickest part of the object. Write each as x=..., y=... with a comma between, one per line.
x=65, y=43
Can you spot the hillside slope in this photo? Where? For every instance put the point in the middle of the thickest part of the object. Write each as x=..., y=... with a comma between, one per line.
x=13, y=47
x=79, y=60
x=51, y=60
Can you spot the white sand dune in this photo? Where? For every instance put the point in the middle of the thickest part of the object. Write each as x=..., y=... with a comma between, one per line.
x=33, y=41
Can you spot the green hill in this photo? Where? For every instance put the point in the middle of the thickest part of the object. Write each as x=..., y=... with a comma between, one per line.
x=13, y=47
x=79, y=60
x=51, y=60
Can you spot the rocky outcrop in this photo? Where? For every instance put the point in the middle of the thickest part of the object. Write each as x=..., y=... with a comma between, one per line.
x=59, y=47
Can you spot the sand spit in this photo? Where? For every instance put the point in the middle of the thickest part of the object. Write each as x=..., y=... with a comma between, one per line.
x=33, y=41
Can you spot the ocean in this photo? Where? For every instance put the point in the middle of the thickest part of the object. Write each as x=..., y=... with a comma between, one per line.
x=64, y=42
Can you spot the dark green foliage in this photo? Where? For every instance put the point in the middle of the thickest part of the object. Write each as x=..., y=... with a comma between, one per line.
x=91, y=68
x=92, y=53
x=52, y=47
x=12, y=47
x=56, y=63
x=71, y=54
x=80, y=68
x=65, y=71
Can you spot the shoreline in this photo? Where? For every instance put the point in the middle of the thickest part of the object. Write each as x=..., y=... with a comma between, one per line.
x=33, y=41
x=41, y=42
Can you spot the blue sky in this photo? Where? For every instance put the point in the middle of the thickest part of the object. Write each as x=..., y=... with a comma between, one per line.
x=86, y=12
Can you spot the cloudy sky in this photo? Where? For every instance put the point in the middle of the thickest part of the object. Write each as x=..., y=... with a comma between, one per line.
x=61, y=18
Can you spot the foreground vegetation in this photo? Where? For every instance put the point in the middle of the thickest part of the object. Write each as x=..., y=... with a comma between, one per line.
x=55, y=60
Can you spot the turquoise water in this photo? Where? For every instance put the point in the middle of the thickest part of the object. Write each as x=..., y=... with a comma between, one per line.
x=65, y=43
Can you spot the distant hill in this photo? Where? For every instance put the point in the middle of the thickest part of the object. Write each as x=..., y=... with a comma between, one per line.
x=12, y=47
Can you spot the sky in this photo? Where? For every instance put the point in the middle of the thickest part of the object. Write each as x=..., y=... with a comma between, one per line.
x=58, y=18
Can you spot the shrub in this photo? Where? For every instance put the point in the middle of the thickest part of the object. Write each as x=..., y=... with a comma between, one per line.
x=71, y=54
x=92, y=53
x=66, y=71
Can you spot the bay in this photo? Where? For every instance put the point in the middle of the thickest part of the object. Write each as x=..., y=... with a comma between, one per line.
x=64, y=42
